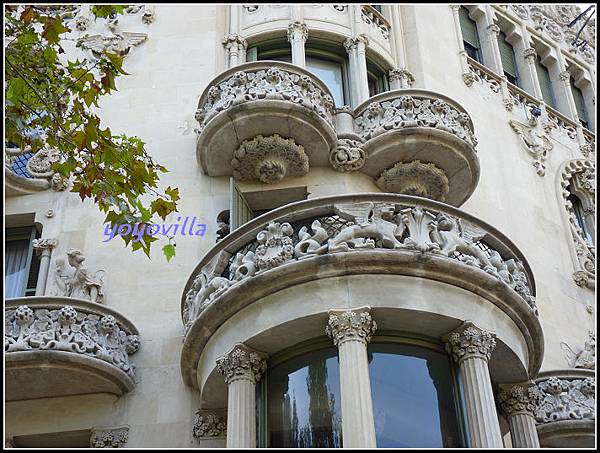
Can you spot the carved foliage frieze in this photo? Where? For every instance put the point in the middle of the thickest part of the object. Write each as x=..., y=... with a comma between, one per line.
x=209, y=424
x=411, y=111
x=67, y=329
x=109, y=438
x=566, y=399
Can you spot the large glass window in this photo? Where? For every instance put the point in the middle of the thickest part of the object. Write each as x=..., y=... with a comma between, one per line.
x=414, y=402
x=470, y=35
x=304, y=402
x=507, y=55
x=20, y=262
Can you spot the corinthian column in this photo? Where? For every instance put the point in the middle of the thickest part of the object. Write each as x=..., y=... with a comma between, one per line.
x=297, y=36
x=241, y=368
x=350, y=331
x=471, y=347
x=518, y=403
x=43, y=249
x=236, y=48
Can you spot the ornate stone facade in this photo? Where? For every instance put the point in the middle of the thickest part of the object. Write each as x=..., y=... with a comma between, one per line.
x=566, y=399
x=208, y=424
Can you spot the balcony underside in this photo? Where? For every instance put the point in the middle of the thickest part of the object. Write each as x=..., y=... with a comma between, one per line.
x=17, y=185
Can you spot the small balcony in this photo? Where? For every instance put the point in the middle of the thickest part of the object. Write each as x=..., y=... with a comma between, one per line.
x=264, y=120
x=419, y=143
x=376, y=235
x=60, y=346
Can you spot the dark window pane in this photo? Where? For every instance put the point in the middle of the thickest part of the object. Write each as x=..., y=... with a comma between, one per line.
x=413, y=401
x=580, y=218
x=469, y=28
x=304, y=402
x=545, y=83
x=507, y=55
x=579, y=104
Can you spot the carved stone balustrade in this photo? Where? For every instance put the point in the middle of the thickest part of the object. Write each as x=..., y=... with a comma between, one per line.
x=420, y=143
x=358, y=234
x=26, y=172
x=59, y=346
x=566, y=411
x=265, y=120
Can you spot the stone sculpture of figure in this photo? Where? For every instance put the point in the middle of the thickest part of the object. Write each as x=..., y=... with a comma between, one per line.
x=586, y=357
x=80, y=283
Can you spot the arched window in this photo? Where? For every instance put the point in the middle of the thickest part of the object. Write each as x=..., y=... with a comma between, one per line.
x=545, y=83
x=470, y=35
x=507, y=55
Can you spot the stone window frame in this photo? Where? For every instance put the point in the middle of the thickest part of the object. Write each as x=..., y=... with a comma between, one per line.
x=583, y=80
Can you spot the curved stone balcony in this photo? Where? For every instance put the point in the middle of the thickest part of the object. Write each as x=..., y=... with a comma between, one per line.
x=379, y=235
x=59, y=346
x=566, y=410
x=420, y=143
x=264, y=120
x=26, y=172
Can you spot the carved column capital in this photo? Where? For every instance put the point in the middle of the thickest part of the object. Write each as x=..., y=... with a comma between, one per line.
x=296, y=29
x=455, y=8
x=109, y=438
x=470, y=341
x=493, y=29
x=518, y=398
x=242, y=363
x=44, y=246
x=209, y=424
x=403, y=76
x=350, y=44
x=529, y=54
x=345, y=325
x=234, y=40
x=564, y=76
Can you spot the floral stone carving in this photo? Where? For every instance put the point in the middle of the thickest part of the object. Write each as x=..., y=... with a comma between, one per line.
x=347, y=156
x=535, y=139
x=79, y=283
x=276, y=246
x=272, y=83
x=411, y=111
x=209, y=424
x=66, y=329
x=350, y=325
x=470, y=341
x=519, y=399
x=415, y=178
x=269, y=159
x=242, y=363
x=109, y=438
x=566, y=399
x=583, y=358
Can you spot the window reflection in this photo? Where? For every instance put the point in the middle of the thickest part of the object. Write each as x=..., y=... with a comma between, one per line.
x=331, y=74
x=413, y=401
x=304, y=402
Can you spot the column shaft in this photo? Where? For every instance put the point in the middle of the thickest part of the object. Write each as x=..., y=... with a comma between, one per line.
x=523, y=431
x=40, y=287
x=361, y=56
x=241, y=414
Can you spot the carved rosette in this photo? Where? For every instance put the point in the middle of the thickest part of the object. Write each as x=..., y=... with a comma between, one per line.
x=346, y=325
x=415, y=178
x=470, y=341
x=276, y=246
x=44, y=246
x=566, y=399
x=269, y=159
x=519, y=399
x=109, y=438
x=242, y=363
x=411, y=111
x=208, y=424
x=70, y=330
x=347, y=156
x=261, y=83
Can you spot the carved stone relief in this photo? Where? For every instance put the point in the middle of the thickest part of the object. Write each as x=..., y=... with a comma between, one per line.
x=347, y=325
x=583, y=357
x=519, y=399
x=269, y=159
x=67, y=329
x=79, y=282
x=39, y=166
x=566, y=399
x=209, y=424
x=242, y=363
x=470, y=341
x=109, y=438
x=415, y=178
x=535, y=139
x=347, y=156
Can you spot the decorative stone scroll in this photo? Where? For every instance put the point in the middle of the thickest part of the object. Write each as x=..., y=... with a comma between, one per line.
x=269, y=159
x=535, y=139
x=208, y=425
x=261, y=83
x=566, y=399
x=80, y=282
x=355, y=227
x=412, y=111
x=242, y=363
x=67, y=329
x=347, y=156
x=415, y=178
x=109, y=438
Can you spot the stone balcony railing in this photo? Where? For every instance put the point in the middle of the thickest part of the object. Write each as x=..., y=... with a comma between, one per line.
x=59, y=346
x=566, y=410
x=356, y=234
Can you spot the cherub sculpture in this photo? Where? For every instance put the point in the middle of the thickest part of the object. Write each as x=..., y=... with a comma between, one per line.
x=80, y=283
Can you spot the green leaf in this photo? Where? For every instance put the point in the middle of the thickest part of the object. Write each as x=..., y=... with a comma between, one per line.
x=53, y=29
x=169, y=251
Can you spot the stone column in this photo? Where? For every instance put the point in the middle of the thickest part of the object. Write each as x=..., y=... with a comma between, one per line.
x=361, y=58
x=241, y=367
x=350, y=331
x=471, y=347
x=43, y=249
x=401, y=78
x=297, y=35
x=468, y=77
x=493, y=31
x=350, y=45
x=236, y=48
x=530, y=55
x=518, y=403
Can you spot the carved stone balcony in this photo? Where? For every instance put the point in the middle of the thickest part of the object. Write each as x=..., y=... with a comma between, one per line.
x=26, y=172
x=419, y=143
x=566, y=410
x=264, y=120
x=59, y=346
x=360, y=235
